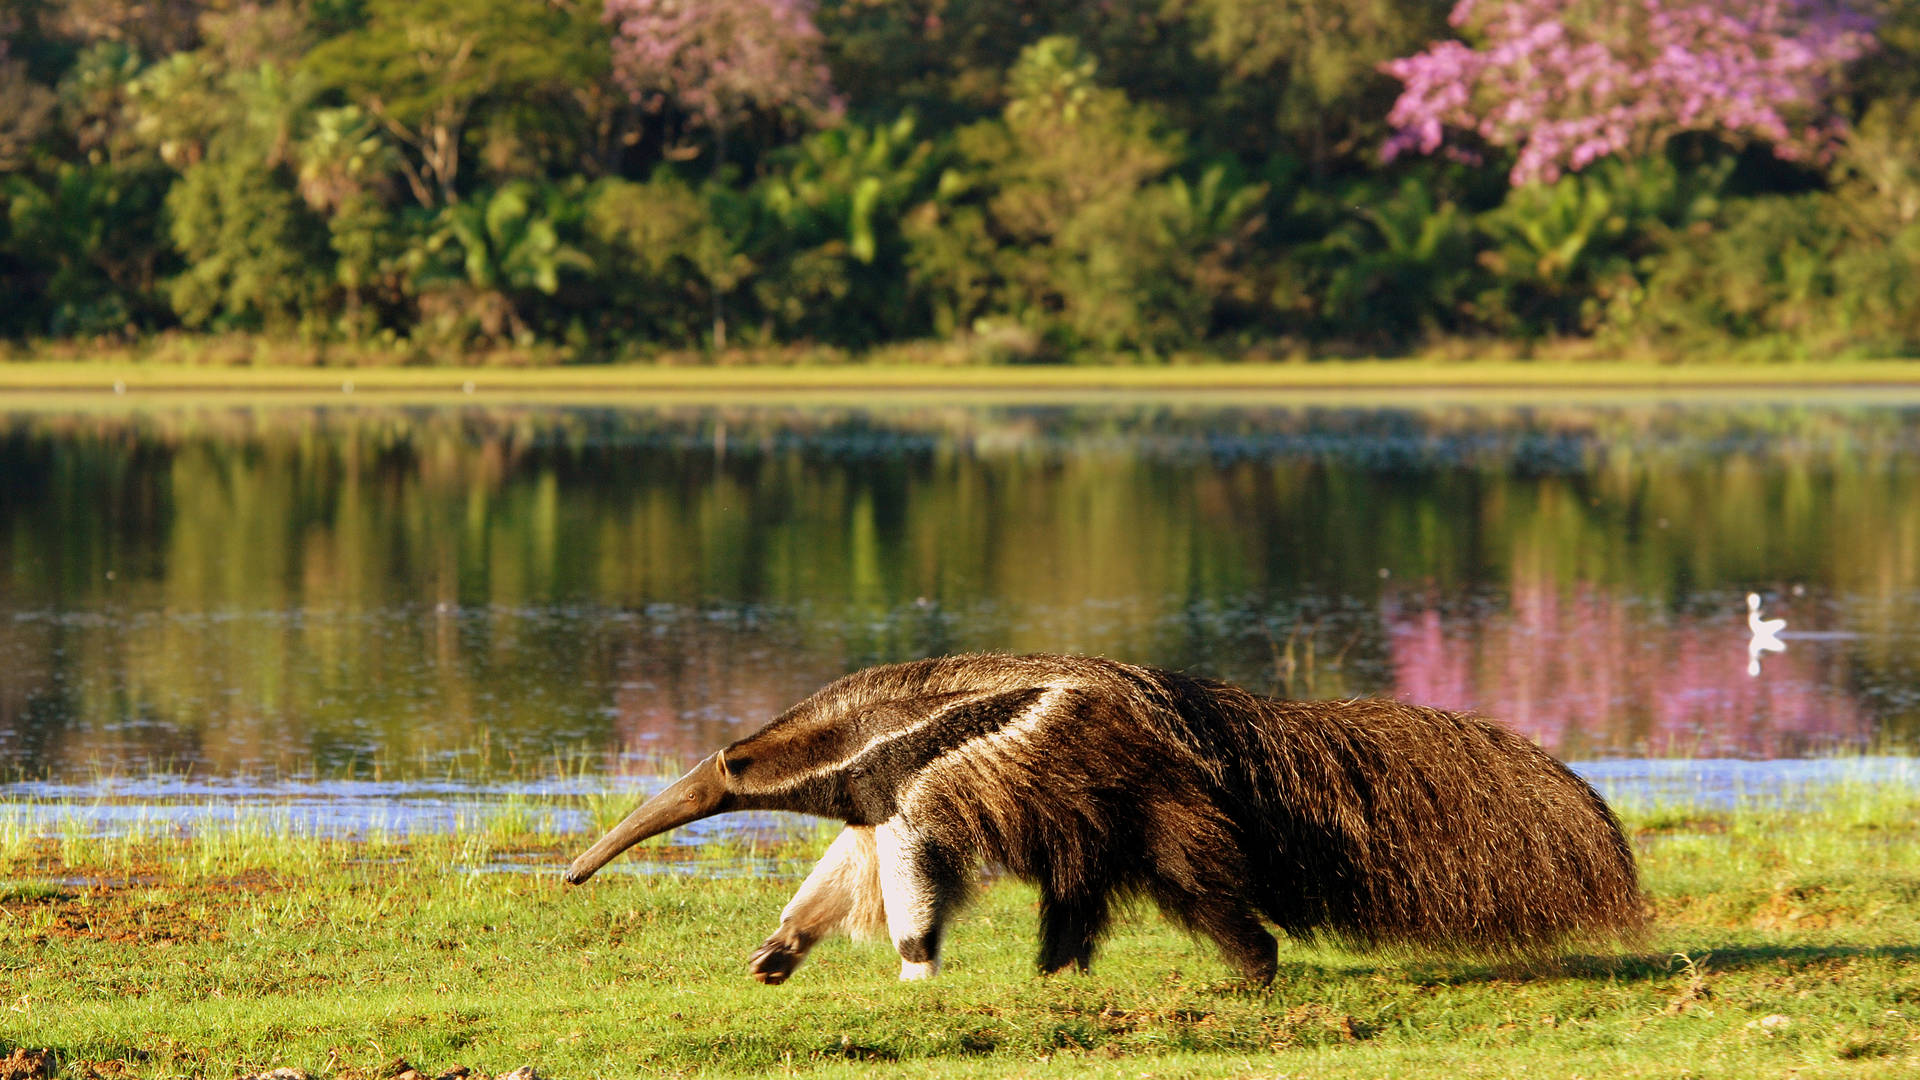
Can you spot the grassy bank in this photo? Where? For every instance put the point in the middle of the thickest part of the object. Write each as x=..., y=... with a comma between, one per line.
x=141, y=371
x=1784, y=945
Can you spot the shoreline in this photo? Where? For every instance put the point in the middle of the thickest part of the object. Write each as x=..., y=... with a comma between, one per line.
x=60, y=384
x=349, y=808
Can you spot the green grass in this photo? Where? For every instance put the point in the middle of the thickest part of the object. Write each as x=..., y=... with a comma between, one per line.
x=1784, y=944
x=140, y=379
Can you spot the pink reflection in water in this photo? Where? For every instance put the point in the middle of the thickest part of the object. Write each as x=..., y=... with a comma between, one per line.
x=685, y=695
x=1589, y=674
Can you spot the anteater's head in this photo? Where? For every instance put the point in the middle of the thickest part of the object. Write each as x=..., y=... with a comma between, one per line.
x=701, y=793
x=844, y=751
x=791, y=764
x=795, y=763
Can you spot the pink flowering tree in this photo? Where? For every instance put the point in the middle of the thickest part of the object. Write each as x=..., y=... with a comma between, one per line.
x=1568, y=82
x=716, y=60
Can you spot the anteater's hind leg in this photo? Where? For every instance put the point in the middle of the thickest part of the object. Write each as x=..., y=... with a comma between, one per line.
x=842, y=893
x=924, y=882
x=1238, y=931
x=1069, y=929
x=1197, y=879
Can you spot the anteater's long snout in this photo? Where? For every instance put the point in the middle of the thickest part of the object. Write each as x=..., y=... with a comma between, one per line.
x=700, y=793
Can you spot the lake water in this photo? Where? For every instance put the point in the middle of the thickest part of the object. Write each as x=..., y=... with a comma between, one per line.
x=204, y=605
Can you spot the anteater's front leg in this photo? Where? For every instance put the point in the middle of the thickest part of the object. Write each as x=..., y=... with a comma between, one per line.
x=842, y=893
x=924, y=882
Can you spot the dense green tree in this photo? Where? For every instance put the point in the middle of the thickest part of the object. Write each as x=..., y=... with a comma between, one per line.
x=254, y=252
x=947, y=59
x=1879, y=171
x=86, y=242
x=490, y=258
x=1399, y=264
x=92, y=99
x=426, y=68
x=344, y=156
x=669, y=253
x=1566, y=257
x=239, y=87
x=176, y=106
x=348, y=170
x=228, y=115
x=834, y=251
x=1310, y=69
x=1084, y=240
x=1821, y=273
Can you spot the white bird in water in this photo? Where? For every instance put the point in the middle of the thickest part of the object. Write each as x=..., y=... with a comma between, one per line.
x=1766, y=634
x=1762, y=627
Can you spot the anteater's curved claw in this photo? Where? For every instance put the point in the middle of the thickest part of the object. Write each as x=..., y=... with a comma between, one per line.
x=774, y=961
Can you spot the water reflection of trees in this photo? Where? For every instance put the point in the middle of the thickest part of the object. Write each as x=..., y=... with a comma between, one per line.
x=236, y=586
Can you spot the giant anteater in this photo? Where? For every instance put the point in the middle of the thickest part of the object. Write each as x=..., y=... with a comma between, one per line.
x=1374, y=821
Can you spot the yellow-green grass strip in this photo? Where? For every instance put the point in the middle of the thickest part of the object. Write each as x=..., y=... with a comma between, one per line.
x=112, y=386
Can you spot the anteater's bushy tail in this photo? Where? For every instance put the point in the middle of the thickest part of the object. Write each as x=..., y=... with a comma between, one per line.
x=1386, y=823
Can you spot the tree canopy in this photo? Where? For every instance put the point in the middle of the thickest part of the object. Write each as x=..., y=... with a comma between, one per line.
x=988, y=179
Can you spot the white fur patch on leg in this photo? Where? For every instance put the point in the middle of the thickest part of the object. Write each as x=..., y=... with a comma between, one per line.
x=908, y=896
x=909, y=902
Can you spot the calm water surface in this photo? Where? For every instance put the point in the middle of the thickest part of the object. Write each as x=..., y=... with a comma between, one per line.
x=204, y=605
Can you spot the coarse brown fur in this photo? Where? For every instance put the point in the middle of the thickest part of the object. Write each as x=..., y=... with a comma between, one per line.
x=1373, y=821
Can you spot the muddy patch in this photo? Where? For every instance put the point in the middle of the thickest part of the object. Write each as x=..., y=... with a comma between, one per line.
x=25, y=1064
x=160, y=924
x=127, y=909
